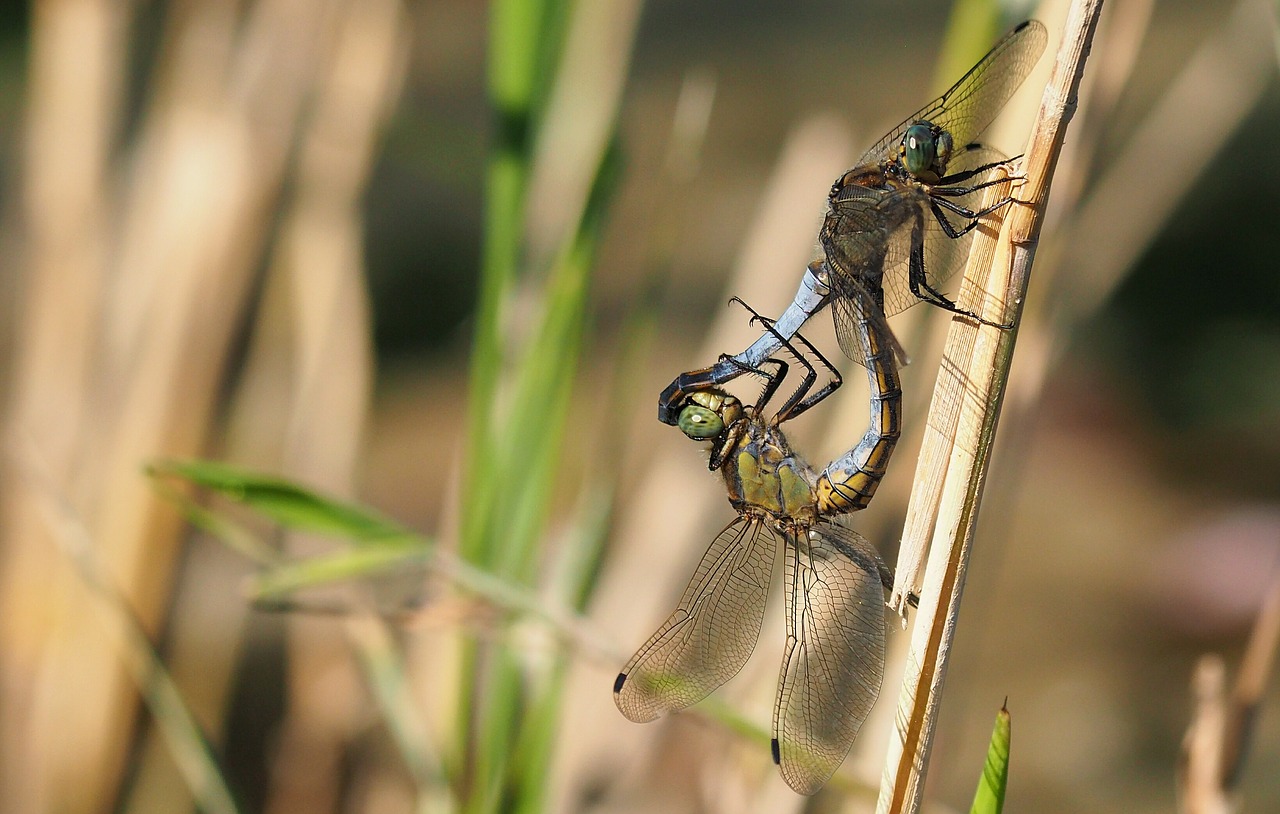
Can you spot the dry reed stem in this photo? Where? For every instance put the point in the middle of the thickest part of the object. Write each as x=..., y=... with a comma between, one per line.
x=1221, y=727
x=1255, y=674
x=1122, y=30
x=302, y=400
x=980, y=377
x=953, y=395
x=120, y=628
x=70, y=119
x=1200, y=765
x=123, y=356
x=303, y=396
x=1167, y=153
x=1129, y=203
x=326, y=312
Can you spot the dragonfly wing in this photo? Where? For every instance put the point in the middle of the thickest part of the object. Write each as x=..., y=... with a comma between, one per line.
x=860, y=238
x=712, y=632
x=862, y=329
x=834, y=660
x=969, y=105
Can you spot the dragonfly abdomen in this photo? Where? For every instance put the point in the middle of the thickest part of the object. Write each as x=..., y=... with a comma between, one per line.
x=849, y=482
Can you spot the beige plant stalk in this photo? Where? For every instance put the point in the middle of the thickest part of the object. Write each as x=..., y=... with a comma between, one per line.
x=961, y=427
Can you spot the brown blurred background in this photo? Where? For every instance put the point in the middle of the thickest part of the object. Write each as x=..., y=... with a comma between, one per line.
x=253, y=231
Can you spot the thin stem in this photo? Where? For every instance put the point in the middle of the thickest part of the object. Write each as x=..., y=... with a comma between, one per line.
x=968, y=395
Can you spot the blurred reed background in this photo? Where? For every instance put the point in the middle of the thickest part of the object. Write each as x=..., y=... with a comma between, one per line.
x=441, y=257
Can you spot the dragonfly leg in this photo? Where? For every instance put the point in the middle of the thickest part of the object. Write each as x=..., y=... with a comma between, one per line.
x=965, y=175
x=743, y=368
x=804, y=397
x=918, y=282
x=772, y=380
x=812, y=295
x=973, y=216
x=835, y=380
x=725, y=444
x=772, y=387
x=959, y=192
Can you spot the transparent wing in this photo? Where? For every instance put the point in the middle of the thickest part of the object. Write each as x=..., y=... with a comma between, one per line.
x=834, y=660
x=969, y=106
x=862, y=329
x=712, y=632
x=860, y=238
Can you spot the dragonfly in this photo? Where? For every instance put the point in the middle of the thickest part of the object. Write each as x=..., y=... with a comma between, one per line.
x=834, y=584
x=898, y=224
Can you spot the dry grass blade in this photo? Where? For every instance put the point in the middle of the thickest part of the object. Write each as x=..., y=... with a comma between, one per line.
x=1217, y=739
x=1186, y=128
x=1200, y=767
x=980, y=375
x=317, y=281
x=1255, y=673
x=952, y=397
x=140, y=264
x=121, y=630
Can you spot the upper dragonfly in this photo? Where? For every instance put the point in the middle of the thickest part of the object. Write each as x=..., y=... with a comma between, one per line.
x=898, y=223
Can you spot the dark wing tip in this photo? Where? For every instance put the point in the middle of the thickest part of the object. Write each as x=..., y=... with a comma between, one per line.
x=1022, y=25
x=618, y=682
x=777, y=751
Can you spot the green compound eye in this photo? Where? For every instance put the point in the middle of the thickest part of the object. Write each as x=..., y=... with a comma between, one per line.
x=699, y=423
x=918, y=148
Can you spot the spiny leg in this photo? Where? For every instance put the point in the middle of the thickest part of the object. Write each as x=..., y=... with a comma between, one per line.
x=973, y=216
x=918, y=282
x=803, y=398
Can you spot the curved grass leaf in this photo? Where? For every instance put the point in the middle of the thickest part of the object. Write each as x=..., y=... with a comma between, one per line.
x=287, y=503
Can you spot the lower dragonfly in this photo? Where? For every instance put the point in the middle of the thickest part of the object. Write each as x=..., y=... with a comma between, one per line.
x=898, y=224
x=834, y=583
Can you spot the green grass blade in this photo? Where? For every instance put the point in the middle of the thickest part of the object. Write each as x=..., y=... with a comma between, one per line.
x=511, y=715
x=546, y=380
x=282, y=581
x=989, y=798
x=519, y=406
x=286, y=503
x=232, y=534
x=382, y=661
x=524, y=40
x=535, y=745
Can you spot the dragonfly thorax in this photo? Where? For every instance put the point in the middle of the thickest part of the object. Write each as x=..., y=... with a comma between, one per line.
x=762, y=473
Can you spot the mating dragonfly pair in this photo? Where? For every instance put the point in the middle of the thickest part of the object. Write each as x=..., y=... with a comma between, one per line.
x=897, y=226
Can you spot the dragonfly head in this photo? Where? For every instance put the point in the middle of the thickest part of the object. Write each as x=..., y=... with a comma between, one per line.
x=706, y=414
x=925, y=151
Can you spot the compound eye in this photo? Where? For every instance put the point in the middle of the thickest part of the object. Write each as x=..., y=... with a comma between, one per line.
x=700, y=423
x=919, y=148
